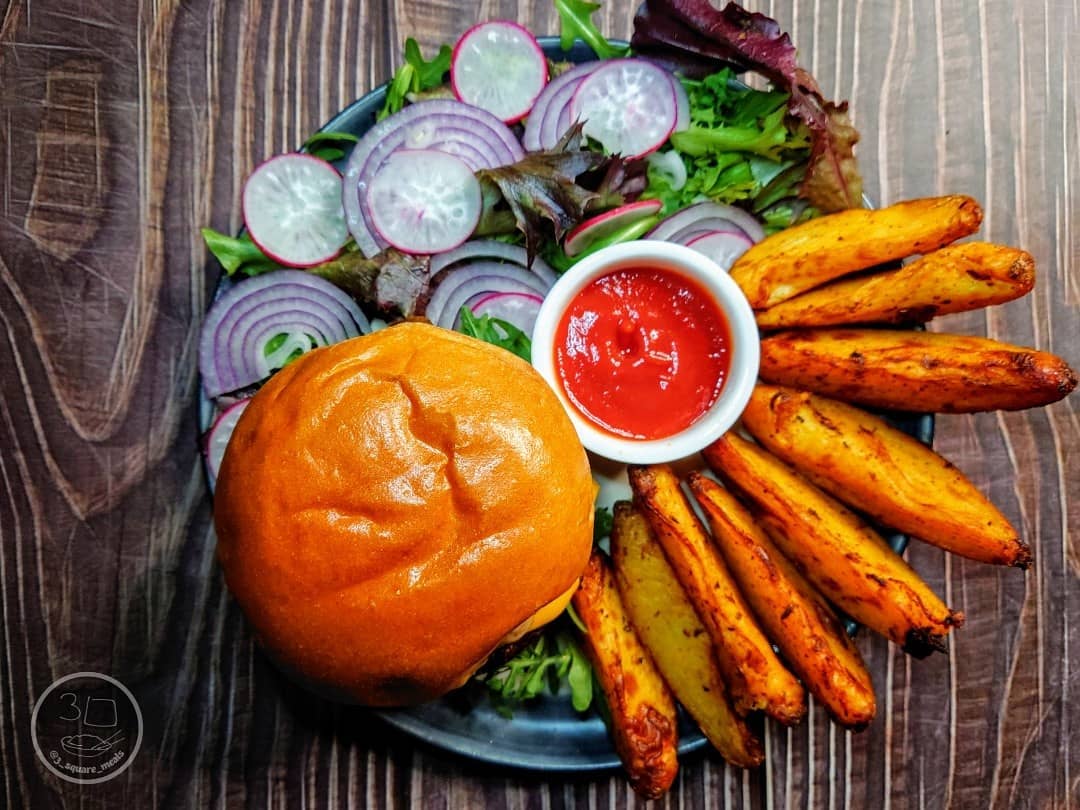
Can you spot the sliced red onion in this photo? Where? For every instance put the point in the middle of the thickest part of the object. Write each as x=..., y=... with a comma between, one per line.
x=519, y=309
x=218, y=438
x=232, y=345
x=541, y=128
x=475, y=278
x=699, y=211
x=682, y=104
x=475, y=136
x=723, y=247
x=491, y=249
x=704, y=226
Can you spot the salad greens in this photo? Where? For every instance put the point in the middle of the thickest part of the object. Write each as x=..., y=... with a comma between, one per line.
x=497, y=332
x=575, y=17
x=237, y=253
x=329, y=145
x=698, y=38
x=415, y=76
x=539, y=669
x=741, y=146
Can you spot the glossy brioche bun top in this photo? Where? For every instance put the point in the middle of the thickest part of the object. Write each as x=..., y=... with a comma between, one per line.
x=393, y=508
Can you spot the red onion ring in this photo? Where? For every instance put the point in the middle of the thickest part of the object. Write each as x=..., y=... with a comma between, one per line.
x=491, y=249
x=252, y=311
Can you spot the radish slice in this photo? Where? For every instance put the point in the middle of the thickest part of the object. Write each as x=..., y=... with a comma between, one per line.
x=485, y=277
x=292, y=210
x=218, y=438
x=422, y=201
x=604, y=225
x=499, y=66
x=541, y=129
x=723, y=247
x=448, y=125
x=628, y=107
x=492, y=249
x=519, y=309
x=698, y=213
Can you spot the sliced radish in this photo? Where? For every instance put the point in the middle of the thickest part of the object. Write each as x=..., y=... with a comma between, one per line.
x=448, y=125
x=604, y=225
x=519, y=309
x=492, y=249
x=628, y=107
x=499, y=66
x=293, y=212
x=699, y=214
x=542, y=128
x=423, y=201
x=218, y=438
x=723, y=247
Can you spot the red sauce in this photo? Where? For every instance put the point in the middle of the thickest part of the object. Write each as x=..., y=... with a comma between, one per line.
x=642, y=352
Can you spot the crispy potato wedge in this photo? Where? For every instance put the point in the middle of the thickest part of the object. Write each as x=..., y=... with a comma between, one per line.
x=957, y=278
x=808, y=255
x=915, y=371
x=754, y=676
x=670, y=628
x=643, y=719
x=797, y=618
x=881, y=471
x=835, y=550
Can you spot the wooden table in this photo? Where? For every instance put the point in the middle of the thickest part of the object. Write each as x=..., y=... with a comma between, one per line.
x=128, y=125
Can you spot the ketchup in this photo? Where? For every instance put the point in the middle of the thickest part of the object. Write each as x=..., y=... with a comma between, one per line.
x=642, y=352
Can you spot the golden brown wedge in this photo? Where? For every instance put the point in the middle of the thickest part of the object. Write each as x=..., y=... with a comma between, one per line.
x=670, y=628
x=881, y=471
x=957, y=278
x=754, y=675
x=797, y=618
x=808, y=255
x=643, y=719
x=915, y=371
x=839, y=553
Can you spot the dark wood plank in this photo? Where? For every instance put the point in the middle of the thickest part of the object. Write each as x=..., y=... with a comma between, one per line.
x=127, y=126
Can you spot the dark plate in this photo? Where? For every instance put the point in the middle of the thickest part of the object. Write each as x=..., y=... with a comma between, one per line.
x=547, y=735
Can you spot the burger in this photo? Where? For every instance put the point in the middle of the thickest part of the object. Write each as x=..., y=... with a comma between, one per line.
x=394, y=508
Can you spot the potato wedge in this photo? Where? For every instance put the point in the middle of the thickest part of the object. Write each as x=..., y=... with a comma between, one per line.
x=754, y=676
x=813, y=253
x=670, y=628
x=957, y=278
x=881, y=471
x=797, y=618
x=915, y=371
x=643, y=719
x=835, y=550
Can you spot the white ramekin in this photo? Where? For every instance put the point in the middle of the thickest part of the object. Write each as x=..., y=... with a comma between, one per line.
x=745, y=348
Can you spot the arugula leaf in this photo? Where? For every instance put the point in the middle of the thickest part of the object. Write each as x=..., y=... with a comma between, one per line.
x=541, y=668
x=329, y=146
x=497, y=332
x=602, y=523
x=237, y=253
x=576, y=21
x=415, y=76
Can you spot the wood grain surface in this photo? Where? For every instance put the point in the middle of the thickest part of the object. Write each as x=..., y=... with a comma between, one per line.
x=127, y=125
